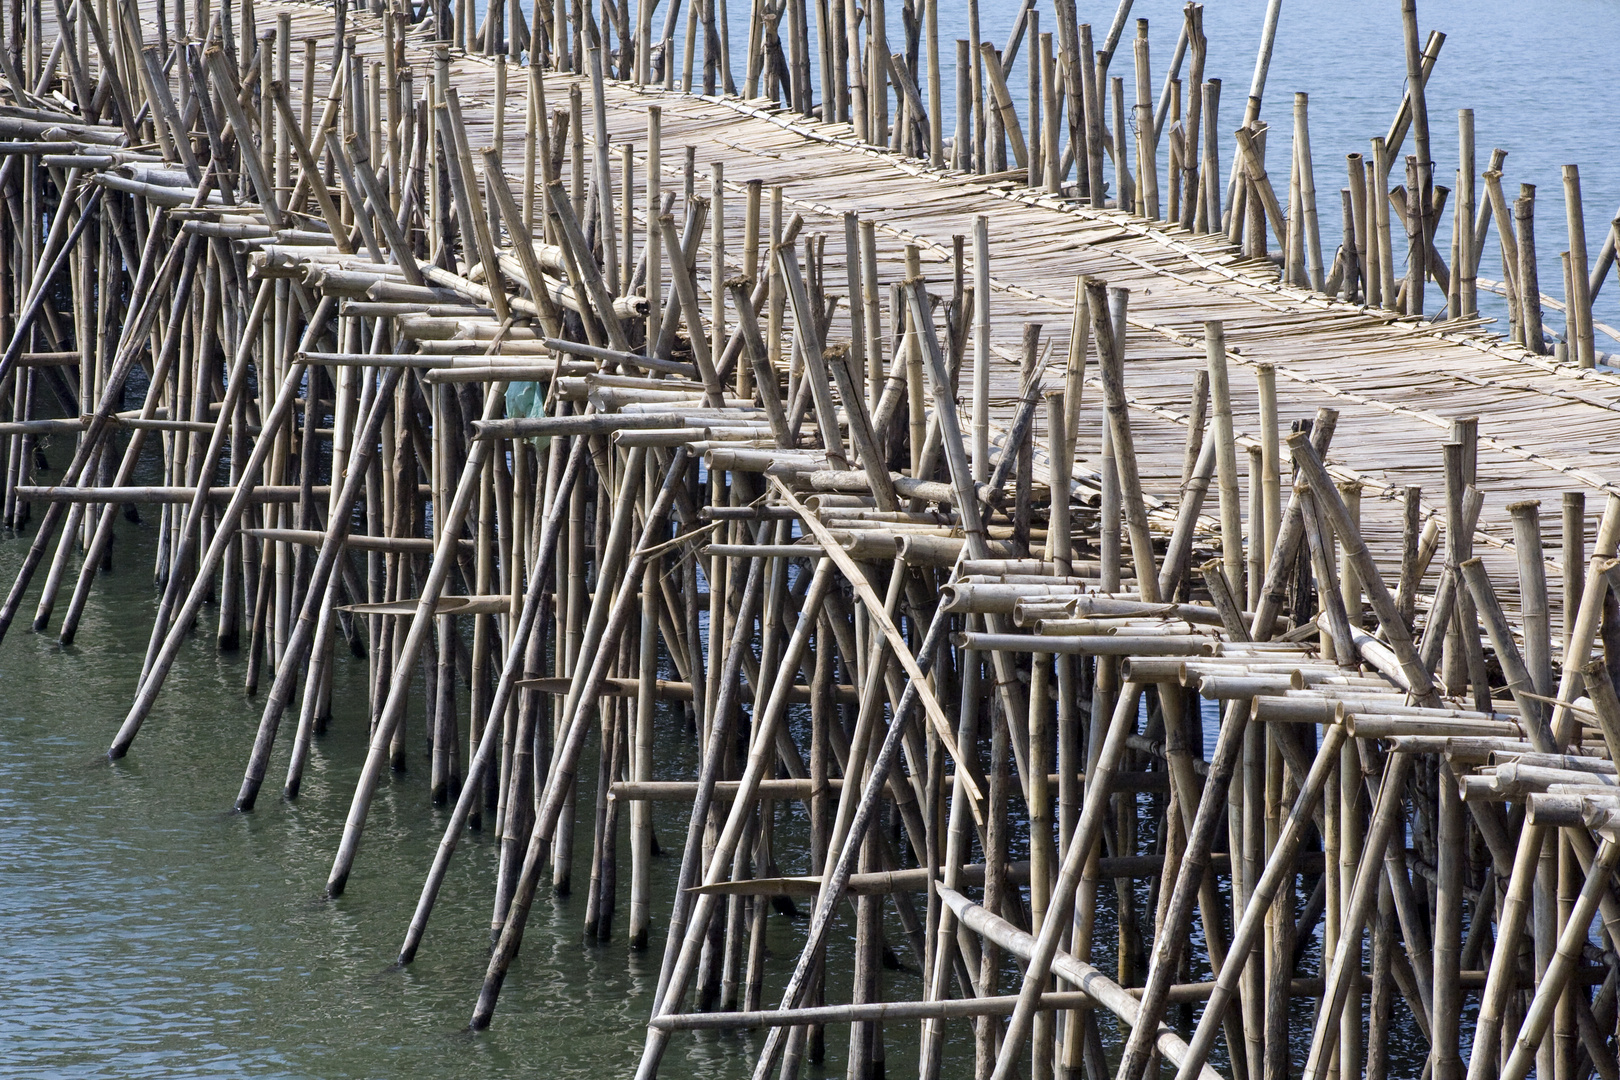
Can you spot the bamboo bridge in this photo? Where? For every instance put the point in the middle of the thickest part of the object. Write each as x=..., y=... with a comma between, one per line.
x=537, y=386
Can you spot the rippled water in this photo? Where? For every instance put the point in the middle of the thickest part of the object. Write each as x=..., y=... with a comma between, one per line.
x=148, y=930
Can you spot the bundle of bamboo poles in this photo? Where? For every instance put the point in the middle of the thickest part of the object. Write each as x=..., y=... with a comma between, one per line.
x=526, y=451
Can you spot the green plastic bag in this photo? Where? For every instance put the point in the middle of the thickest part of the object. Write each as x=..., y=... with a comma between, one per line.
x=527, y=400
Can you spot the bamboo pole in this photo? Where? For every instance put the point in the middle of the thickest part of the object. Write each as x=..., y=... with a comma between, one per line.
x=167, y=636
x=1278, y=865
x=1225, y=456
x=399, y=686
x=298, y=645
x=1524, y=213
x=1147, y=143
x=1307, y=192
x=980, y=453
x=1555, y=979
x=1111, y=356
x=533, y=613
x=1467, y=260
x=1579, y=299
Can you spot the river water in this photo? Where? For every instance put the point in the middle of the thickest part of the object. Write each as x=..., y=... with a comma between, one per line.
x=151, y=931
x=147, y=930
x=1535, y=72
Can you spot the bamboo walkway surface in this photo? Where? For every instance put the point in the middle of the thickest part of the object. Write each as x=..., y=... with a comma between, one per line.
x=1398, y=385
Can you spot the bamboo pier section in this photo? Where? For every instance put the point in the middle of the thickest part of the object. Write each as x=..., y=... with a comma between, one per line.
x=1034, y=515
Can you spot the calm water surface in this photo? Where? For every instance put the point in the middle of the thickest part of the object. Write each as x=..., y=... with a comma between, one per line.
x=1537, y=73
x=147, y=930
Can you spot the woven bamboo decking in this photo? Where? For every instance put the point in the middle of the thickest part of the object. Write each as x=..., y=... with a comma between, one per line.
x=1544, y=427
